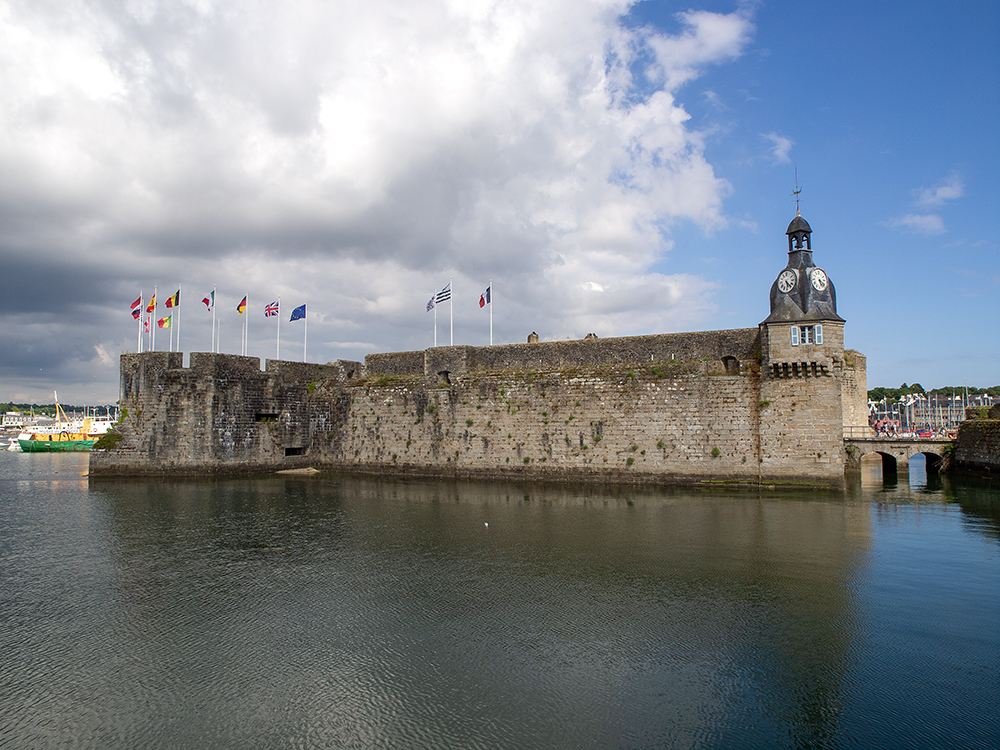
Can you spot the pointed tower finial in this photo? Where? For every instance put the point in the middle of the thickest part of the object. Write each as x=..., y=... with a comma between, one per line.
x=797, y=190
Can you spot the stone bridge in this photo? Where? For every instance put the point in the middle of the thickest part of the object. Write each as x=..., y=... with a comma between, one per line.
x=896, y=452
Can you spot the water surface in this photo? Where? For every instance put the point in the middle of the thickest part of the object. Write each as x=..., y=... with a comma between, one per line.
x=333, y=612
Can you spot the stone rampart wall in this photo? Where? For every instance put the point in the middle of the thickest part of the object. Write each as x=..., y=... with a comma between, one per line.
x=679, y=423
x=685, y=347
x=977, y=447
x=854, y=386
x=711, y=418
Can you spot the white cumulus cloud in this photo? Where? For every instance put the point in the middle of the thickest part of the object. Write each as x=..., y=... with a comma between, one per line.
x=359, y=154
x=928, y=224
x=781, y=146
x=950, y=188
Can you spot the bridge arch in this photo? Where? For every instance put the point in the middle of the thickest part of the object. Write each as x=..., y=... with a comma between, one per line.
x=896, y=454
x=890, y=465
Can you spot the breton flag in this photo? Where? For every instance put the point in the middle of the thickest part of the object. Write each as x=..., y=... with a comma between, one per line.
x=152, y=304
x=444, y=295
x=165, y=322
x=299, y=313
x=209, y=301
x=271, y=310
x=484, y=298
x=173, y=301
x=241, y=308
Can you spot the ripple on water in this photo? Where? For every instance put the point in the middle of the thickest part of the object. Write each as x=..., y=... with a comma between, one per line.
x=284, y=612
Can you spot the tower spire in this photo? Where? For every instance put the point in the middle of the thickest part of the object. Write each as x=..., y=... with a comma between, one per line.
x=797, y=190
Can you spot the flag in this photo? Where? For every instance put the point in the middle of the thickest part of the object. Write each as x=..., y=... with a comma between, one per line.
x=271, y=310
x=145, y=325
x=174, y=300
x=209, y=301
x=136, y=313
x=152, y=304
x=241, y=308
x=430, y=304
x=444, y=295
x=165, y=322
x=298, y=313
x=137, y=304
x=484, y=298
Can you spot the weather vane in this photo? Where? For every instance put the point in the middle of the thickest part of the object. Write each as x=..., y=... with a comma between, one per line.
x=797, y=190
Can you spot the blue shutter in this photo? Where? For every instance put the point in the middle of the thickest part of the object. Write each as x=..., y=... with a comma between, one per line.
x=795, y=335
x=819, y=334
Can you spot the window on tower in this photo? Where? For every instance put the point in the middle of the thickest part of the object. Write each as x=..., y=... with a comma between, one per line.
x=807, y=335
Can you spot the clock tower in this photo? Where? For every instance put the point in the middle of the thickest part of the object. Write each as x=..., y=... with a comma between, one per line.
x=803, y=336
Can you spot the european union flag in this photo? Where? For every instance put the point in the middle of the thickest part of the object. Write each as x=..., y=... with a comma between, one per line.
x=298, y=313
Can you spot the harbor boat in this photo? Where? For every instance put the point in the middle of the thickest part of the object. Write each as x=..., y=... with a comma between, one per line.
x=64, y=435
x=56, y=442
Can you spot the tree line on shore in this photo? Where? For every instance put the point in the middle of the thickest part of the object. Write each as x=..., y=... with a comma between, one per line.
x=45, y=410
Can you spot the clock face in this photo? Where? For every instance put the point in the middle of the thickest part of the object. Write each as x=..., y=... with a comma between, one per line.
x=786, y=280
x=819, y=280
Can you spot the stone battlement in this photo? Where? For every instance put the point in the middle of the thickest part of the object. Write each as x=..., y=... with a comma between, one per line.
x=706, y=345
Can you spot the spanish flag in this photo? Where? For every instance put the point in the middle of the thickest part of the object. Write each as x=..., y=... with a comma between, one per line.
x=242, y=307
x=152, y=304
x=174, y=300
x=165, y=322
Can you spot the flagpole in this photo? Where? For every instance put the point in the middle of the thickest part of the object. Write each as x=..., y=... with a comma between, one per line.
x=246, y=326
x=152, y=328
x=277, y=349
x=491, y=312
x=179, y=321
x=215, y=340
x=305, y=330
x=138, y=345
x=435, y=317
x=451, y=311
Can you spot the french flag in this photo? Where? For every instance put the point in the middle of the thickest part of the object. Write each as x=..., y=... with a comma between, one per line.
x=484, y=298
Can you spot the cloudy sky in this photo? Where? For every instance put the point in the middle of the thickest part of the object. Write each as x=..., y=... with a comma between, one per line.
x=614, y=167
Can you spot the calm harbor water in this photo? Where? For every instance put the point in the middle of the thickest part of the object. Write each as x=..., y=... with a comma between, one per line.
x=329, y=612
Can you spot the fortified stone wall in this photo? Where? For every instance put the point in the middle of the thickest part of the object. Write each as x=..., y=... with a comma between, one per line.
x=802, y=407
x=977, y=447
x=220, y=415
x=666, y=421
x=642, y=423
x=854, y=386
x=705, y=345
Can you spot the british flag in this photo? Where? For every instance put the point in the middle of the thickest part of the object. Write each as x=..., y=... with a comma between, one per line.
x=271, y=310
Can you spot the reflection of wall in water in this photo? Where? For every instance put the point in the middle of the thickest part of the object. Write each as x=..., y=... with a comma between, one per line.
x=749, y=593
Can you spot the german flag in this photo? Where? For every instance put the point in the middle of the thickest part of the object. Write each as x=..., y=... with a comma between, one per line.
x=242, y=307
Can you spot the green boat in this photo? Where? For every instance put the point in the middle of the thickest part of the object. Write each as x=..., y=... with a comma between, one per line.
x=64, y=437
x=56, y=442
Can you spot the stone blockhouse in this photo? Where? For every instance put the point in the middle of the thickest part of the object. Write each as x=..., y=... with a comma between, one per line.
x=754, y=405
